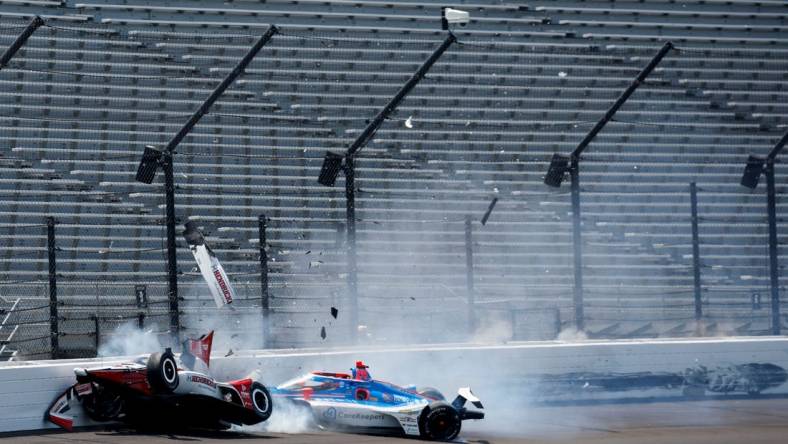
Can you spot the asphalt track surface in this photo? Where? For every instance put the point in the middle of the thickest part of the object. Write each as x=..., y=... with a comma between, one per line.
x=751, y=421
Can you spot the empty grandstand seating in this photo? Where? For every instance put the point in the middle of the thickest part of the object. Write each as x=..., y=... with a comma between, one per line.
x=104, y=78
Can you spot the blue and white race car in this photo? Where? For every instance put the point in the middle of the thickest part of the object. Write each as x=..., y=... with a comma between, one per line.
x=356, y=402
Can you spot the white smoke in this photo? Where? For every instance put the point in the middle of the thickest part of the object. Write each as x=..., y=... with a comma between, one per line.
x=286, y=417
x=572, y=334
x=129, y=340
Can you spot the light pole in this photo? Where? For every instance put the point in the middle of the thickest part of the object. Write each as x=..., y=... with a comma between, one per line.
x=152, y=159
x=333, y=163
x=752, y=174
x=561, y=164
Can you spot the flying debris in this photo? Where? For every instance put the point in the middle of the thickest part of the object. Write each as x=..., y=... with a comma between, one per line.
x=489, y=210
x=229, y=353
x=334, y=312
x=323, y=332
x=106, y=250
x=210, y=268
x=315, y=264
x=409, y=122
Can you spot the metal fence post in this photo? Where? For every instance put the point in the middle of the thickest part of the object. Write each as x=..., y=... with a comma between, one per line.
x=261, y=225
x=774, y=267
x=469, y=274
x=54, y=332
x=172, y=253
x=696, y=251
x=352, y=277
x=577, y=243
x=97, y=329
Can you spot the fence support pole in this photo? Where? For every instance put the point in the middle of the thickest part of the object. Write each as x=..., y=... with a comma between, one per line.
x=54, y=332
x=469, y=280
x=352, y=260
x=172, y=253
x=575, y=177
x=261, y=227
x=696, y=251
x=97, y=328
x=774, y=267
x=577, y=243
x=20, y=41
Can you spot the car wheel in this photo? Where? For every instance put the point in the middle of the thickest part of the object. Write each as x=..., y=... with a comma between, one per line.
x=261, y=401
x=440, y=422
x=431, y=393
x=163, y=372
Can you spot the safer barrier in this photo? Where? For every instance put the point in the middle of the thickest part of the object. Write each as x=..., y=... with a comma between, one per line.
x=505, y=376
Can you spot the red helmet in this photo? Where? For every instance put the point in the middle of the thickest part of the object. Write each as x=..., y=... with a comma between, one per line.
x=360, y=364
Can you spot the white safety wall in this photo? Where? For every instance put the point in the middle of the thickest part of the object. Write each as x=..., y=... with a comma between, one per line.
x=28, y=388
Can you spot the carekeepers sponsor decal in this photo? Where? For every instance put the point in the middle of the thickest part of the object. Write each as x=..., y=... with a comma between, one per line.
x=228, y=297
x=360, y=416
x=203, y=380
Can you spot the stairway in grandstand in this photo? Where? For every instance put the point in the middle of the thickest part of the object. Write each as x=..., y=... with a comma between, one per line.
x=7, y=329
x=105, y=78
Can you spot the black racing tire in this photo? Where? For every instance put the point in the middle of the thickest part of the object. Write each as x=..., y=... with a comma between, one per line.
x=439, y=422
x=262, y=403
x=102, y=404
x=431, y=393
x=163, y=372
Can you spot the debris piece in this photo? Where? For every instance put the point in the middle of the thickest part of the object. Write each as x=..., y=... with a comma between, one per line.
x=409, y=122
x=323, y=332
x=334, y=312
x=562, y=74
x=308, y=251
x=489, y=210
x=229, y=353
x=412, y=298
x=315, y=264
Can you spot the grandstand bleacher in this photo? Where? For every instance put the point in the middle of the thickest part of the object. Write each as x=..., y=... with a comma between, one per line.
x=104, y=78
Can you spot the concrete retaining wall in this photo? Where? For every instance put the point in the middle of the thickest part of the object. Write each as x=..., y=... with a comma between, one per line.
x=504, y=375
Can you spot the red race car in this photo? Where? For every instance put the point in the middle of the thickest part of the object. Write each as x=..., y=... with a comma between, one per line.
x=163, y=389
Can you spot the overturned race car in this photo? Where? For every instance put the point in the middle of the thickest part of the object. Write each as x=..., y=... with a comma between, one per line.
x=356, y=402
x=162, y=388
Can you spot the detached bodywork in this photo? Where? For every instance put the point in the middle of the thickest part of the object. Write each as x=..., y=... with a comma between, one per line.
x=341, y=401
x=162, y=389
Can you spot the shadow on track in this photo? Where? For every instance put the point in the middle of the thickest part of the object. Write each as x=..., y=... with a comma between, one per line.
x=180, y=433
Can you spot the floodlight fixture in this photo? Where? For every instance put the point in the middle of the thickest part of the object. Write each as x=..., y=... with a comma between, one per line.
x=752, y=171
x=450, y=16
x=332, y=164
x=559, y=165
x=149, y=164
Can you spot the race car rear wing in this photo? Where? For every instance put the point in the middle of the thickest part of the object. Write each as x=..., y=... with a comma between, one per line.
x=199, y=348
x=464, y=395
